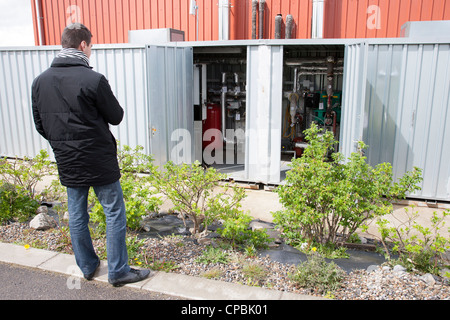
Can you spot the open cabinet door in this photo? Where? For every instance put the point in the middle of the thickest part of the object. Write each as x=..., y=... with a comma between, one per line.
x=264, y=107
x=171, y=111
x=353, y=97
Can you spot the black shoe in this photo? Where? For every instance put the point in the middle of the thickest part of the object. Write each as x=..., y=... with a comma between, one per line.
x=132, y=276
x=91, y=275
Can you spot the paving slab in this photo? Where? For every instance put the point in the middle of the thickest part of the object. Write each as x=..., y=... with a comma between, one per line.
x=205, y=289
x=30, y=257
x=195, y=288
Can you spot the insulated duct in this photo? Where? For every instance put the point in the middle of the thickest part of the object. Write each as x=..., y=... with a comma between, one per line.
x=278, y=22
x=224, y=19
x=289, y=25
x=223, y=103
x=262, y=5
x=254, y=16
x=317, y=19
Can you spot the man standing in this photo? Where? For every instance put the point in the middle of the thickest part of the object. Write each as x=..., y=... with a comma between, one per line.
x=72, y=108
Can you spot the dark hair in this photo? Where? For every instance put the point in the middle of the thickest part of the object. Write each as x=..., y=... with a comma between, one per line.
x=74, y=34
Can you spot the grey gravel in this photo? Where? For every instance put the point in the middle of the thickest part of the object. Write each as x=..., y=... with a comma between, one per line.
x=376, y=283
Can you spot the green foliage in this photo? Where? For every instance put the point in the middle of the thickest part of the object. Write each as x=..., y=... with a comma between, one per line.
x=16, y=204
x=326, y=199
x=137, y=192
x=317, y=273
x=418, y=247
x=238, y=231
x=213, y=255
x=192, y=192
x=18, y=196
x=25, y=174
x=195, y=192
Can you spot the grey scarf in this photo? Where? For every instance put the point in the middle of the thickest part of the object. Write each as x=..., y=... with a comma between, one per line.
x=73, y=53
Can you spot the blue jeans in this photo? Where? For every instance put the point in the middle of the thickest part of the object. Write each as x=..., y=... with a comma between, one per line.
x=111, y=198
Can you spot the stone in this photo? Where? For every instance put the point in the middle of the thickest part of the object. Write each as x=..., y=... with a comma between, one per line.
x=398, y=268
x=428, y=279
x=372, y=268
x=386, y=269
x=42, y=209
x=66, y=216
x=42, y=221
x=363, y=240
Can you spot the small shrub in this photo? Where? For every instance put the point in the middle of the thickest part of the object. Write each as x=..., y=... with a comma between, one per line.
x=19, y=177
x=237, y=229
x=317, y=273
x=16, y=204
x=192, y=191
x=213, y=255
x=418, y=247
x=326, y=199
x=254, y=273
x=138, y=194
x=26, y=173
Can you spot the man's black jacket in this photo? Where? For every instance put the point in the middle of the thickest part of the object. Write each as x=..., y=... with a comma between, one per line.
x=72, y=108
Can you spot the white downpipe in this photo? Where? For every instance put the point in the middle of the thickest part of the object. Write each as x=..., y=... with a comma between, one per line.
x=317, y=19
x=224, y=19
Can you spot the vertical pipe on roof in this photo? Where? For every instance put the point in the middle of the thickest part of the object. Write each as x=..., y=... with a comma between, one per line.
x=289, y=24
x=278, y=21
x=224, y=19
x=317, y=19
x=254, y=14
x=262, y=5
x=39, y=22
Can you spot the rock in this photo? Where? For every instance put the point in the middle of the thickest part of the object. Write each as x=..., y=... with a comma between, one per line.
x=66, y=216
x=42, y=221
x=363, y=240
x=428, y=279
x=386, y=269
x=205, y=241
x=372, y=268
x=399, y=269
x=42, y=209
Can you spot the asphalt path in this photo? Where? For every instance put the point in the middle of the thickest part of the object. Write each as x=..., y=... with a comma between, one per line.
x=22, y=283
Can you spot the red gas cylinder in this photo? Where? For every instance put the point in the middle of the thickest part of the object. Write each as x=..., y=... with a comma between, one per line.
x=298, y=151
x=213, y=121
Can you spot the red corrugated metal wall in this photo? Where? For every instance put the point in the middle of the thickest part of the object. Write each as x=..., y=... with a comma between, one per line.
x=378, y=18
x=110, y=20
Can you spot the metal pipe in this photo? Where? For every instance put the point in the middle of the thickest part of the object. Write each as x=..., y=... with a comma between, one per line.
x=295, y=80
x=330, y=77
x=317, y=19
x=224, y=19
x=278, y=21
x=254, y=14
x=262, y=5
x=303, y=61
x=289, y=25
x=223, y=101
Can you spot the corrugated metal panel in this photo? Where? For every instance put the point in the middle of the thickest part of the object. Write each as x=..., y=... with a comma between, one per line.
x=110, y=21
x=379, y=18
x=18, y=68
x=264, y=111
x=407, y=112
x=171, y=116
x=124, y=67
x=353, y=97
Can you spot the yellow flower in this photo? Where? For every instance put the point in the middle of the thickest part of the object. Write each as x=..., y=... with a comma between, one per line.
x=27, y=246
x=314, y=249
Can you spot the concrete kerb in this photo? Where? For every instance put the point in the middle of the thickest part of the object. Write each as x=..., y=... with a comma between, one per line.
x=184, y=286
